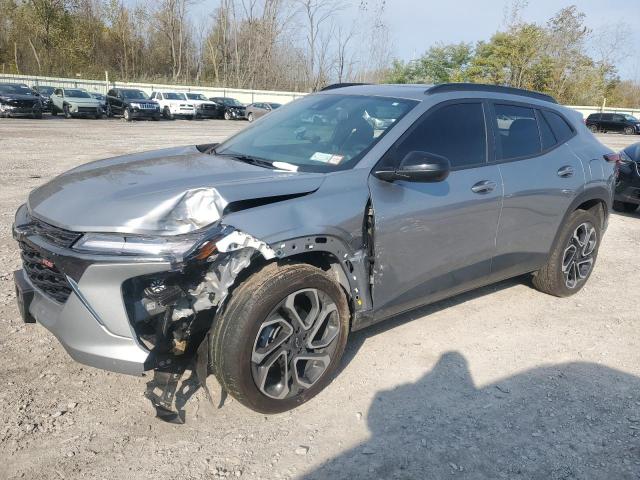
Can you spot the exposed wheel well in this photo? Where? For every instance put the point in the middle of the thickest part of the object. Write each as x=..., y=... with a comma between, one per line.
x=596, y=206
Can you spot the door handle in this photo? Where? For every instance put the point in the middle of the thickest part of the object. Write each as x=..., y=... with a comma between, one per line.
x=483, y=187
x=566, y=171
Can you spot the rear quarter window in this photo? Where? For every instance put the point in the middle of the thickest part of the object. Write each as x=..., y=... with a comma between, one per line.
x=561, y=129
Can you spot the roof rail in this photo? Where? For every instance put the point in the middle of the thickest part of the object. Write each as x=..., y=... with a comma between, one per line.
x=480, y=87
x=341, y=85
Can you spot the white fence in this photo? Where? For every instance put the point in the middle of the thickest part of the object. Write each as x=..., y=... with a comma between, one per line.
x=101, y=86
x=245, y=96
x=586, y=111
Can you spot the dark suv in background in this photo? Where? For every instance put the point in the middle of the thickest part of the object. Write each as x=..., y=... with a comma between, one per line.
x=232, y=109
x=131, y=103
x=627, y=198
x=613, y=122
x=255, y=258
x=18, y=100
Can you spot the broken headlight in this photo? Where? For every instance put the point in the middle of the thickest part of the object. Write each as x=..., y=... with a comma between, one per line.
x=176, y=247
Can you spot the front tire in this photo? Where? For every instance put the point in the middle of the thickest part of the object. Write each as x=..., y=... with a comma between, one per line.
x=573, y=257
x=625, y=207
x=127, y=115
x=167, y=114
x=227, y=115
x=281, y=336
x=629, y=131
x=594, y=128
x=67, y=111
x=250, y=117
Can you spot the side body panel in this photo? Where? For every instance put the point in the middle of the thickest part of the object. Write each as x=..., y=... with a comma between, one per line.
x=535, y=200
x=432, y=239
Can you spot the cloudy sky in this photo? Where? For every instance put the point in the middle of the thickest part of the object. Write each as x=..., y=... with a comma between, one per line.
x=417, y=24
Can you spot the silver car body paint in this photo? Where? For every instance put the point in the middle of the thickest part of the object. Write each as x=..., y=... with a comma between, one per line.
x=431, y=240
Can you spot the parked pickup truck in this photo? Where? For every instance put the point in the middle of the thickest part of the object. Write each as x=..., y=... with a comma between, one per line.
x=174, y=104
x=204, y=107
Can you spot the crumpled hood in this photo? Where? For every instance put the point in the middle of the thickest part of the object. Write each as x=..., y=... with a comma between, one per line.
x=168, y=191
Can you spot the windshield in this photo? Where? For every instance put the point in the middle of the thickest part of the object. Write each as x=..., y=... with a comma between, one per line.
x=46, y=90
x=135, y=95
x=174, y=96
x=197, y=96
x=631, y=118
x=319, y=133
x=229, y=102
x=17, y=89
x=97, y=96
x=76, y=93
x=274, y=105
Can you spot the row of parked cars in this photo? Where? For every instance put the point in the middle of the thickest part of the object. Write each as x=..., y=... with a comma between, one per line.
x=129, y=103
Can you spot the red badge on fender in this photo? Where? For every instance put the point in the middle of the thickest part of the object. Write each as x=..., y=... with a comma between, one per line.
x=47, y=263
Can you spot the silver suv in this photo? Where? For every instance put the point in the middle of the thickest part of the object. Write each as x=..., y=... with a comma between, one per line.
x=255, y=258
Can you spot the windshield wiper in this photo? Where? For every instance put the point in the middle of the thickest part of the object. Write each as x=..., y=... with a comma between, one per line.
x=259, y=162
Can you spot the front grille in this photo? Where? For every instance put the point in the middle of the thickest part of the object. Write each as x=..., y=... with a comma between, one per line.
x=49, y=280
x=56, y=236
x=87, y=109
x=208, y=107
x=22, y=103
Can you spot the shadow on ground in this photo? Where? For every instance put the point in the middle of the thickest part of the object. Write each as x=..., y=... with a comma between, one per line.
x=569, y=421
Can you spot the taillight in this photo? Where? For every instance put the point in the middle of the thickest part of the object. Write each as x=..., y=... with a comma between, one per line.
x=613, y=158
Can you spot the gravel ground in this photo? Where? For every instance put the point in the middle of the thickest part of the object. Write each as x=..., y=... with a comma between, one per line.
x=504, y=382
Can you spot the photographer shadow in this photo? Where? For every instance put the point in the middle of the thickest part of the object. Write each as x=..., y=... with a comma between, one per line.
x=567, y=421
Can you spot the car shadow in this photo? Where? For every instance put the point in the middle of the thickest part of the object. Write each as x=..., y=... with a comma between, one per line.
x=567, y=421
x=357, y=339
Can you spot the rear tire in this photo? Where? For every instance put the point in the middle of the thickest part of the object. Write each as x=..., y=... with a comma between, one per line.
x=625, y=207
x=594, y=128
x=566, y=270
x=247, y=321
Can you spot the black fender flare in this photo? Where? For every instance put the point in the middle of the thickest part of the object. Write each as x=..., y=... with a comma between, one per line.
x=598, y=194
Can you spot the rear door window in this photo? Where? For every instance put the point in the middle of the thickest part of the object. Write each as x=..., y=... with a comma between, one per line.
x=456, y=131
x=517, y=129
x=561, y=129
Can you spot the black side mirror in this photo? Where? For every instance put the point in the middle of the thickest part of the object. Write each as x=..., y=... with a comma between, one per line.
x=418, y=167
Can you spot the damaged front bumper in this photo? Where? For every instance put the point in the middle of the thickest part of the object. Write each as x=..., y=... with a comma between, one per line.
x=127, y=313
x=87, y=331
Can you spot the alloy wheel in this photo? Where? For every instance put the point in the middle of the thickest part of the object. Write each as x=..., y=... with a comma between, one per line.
x=295, y=344
x=578, y=257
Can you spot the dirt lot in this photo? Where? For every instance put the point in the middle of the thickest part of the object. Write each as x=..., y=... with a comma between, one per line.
x=504, y=382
